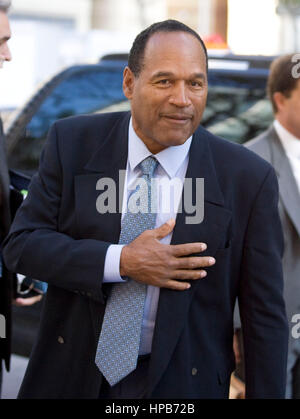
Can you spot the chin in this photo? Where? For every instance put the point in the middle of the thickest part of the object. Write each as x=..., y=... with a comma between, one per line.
x=178, y=141
x=160, y=142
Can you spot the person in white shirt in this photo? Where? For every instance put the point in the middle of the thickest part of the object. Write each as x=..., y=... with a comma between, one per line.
x=280, y=145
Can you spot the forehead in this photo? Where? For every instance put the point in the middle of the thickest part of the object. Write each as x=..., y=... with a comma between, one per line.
x=170, y=50
x=4, y=26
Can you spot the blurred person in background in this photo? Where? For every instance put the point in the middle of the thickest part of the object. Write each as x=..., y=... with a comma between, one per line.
x=280, y=146
x=7, y=279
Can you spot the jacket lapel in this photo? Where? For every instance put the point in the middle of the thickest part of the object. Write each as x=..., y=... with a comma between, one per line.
x=288, y=188
x=105, y=163
x=173, y=305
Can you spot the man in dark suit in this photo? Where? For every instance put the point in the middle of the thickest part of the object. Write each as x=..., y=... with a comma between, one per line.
x=5, y=277
x=6, y=211
x=78, y=231
x=280, y=145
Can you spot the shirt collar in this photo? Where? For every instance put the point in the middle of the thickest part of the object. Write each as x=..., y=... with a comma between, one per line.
x=290, y=143
x=170, y=158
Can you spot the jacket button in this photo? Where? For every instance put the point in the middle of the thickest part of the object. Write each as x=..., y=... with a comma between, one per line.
x=194, y=371
x=60, y=339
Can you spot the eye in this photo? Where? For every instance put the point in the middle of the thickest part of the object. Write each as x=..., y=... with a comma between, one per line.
x=164, y=82
x=197, y=84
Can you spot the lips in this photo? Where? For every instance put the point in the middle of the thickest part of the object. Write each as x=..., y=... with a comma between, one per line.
x=177, y=118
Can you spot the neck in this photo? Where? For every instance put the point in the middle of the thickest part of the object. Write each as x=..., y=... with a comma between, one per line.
x=291, y=129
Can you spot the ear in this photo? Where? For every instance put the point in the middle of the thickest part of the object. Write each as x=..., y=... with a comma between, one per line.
x=128, y=82
x=279, y=100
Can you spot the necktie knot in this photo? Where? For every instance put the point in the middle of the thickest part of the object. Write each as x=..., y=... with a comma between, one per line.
x=148, y=166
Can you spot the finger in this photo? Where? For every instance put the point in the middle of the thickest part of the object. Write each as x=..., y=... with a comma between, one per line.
x=176, y=285
x=189, y=274
x=187, y=248
x=25, y=302
x=194, y=262
x=164, y=230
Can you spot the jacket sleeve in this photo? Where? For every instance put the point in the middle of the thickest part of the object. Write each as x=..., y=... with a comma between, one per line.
x=262, y=307
x=36, y=248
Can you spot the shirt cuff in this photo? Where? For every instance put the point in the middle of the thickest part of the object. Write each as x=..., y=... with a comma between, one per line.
x=112, y=264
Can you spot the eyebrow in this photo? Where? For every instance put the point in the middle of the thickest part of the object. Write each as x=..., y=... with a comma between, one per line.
x=170, y=74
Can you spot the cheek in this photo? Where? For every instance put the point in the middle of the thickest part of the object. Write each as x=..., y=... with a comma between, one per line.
x=199, y=106
x=145, y=102
x=294, y=111
x=297, y=109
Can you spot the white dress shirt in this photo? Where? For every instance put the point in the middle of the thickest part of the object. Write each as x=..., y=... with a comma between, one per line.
x=291, y=145
x=173, y=162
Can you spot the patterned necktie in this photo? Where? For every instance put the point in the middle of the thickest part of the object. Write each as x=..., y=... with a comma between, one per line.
x=119, y=340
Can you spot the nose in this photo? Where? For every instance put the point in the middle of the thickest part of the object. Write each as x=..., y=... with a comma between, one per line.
x=5, y=53
x=179, y=96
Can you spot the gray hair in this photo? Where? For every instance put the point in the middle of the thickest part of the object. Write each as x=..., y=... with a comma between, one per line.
x=5, y=5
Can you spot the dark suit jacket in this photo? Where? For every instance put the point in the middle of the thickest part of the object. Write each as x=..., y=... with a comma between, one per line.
x=7, y=279
x=59, y=237
x=269, y=147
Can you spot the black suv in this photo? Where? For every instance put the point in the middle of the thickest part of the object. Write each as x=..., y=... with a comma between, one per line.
x=237, y=109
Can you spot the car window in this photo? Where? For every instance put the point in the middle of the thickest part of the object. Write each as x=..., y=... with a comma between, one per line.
x=84, y=92
x=239, y=112
x=123, y=106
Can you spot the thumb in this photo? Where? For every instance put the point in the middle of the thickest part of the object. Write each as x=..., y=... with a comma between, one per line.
x=164, y=229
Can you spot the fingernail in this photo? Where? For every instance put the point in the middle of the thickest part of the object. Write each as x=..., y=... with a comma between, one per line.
x=203, y=246
x=212, y=261
x=203, y=274
x=188, y=286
